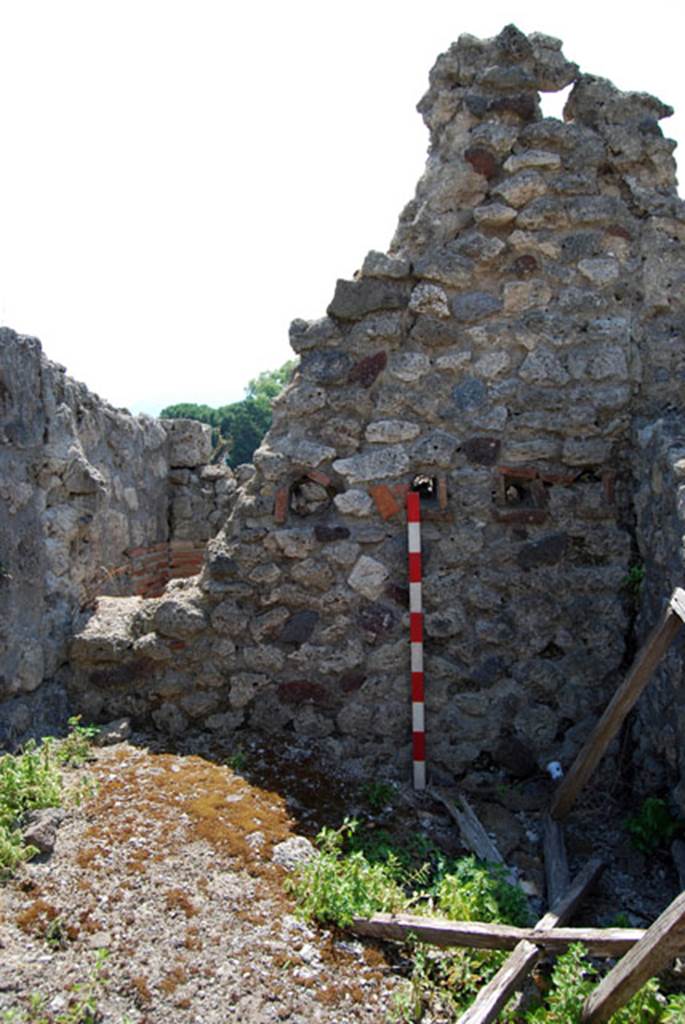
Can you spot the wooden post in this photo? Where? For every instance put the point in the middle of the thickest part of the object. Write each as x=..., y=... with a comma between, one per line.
x=661, y=944
x=556, y=865
x=622, y=702
x=508, y=979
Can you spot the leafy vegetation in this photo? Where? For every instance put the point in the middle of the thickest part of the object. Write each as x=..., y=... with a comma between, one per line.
x=32, y=780
x=359, y=871
x=632, y=582
x=574, y=978
x=242, y=425
x=83, y=1002
x=653, y=827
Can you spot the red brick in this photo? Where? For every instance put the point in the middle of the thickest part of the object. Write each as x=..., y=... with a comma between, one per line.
x=319, y=478
x=518, y=472
x=281, y=504
x=609, y=485
x=385, y=501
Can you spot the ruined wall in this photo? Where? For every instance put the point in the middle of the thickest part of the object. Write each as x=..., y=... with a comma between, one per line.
x=526, y=321
x=85, y=491
x=660, y=509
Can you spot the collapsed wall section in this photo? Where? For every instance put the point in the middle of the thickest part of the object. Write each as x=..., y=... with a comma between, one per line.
x=499, y=352
x=93, y=500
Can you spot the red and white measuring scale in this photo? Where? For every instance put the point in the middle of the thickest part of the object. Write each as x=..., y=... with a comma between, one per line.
x=418, y=718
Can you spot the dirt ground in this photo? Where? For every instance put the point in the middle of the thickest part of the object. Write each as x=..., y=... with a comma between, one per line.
x=168, y=867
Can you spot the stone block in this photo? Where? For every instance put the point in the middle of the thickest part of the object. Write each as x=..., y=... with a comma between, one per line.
x=190, y=442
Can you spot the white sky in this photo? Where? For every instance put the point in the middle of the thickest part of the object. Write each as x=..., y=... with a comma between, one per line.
x=182, y=179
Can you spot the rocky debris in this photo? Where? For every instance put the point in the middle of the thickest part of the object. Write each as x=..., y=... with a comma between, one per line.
x=113, y=732
x=292, y=852
x=40, y=828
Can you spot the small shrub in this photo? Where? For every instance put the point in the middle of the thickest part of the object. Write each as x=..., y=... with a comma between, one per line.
x=32, y=780
x=379, y=795
x=653, y=827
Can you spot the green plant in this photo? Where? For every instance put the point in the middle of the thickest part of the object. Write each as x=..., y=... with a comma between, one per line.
x=237, y=761
x=633, y=580
x=653, y=827
x=31, y=780
x=83, y=1003
x=335, y=888
x=75, y=749
x=379, y=795
x=574, y=978
x=358, y=872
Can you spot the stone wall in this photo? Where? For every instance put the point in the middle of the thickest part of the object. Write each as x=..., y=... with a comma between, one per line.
x=83, y=488
x=660, y=510
x=525, y=327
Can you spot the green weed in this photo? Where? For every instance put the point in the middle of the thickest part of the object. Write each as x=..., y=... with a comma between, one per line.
x=83, y=1002
x=574, y=978
x=379, y=795
x=32, y=780
x=633, y=580
x=653, y=827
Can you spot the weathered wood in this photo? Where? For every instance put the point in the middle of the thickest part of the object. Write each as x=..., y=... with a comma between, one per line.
x=509, y=978
x=662, y=942
x=621, y=703
x=470, y=827
x=557, y=874
x=484, y=935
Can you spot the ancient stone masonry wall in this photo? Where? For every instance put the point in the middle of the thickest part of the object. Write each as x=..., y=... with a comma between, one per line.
x=85, y=491
x=501, y=349
x=660, y=511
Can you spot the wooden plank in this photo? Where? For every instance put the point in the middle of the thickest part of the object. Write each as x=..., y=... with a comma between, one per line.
x=622, y=702
x=491, y=999
x=662, y=942
x=485, y=935
x=556, y=864
x=470, y=827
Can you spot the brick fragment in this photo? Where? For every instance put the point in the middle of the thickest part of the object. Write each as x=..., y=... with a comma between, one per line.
x=385, y=501
x=281, y=504
x=319, y=478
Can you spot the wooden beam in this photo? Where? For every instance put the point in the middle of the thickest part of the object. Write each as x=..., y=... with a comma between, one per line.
x=472, y=832
x=644, y=666
x=484, y=935
x=511, y=974
x=556, y=865
x=662, y=942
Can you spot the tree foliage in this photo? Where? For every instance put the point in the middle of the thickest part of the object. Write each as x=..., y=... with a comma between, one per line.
x=243, y=424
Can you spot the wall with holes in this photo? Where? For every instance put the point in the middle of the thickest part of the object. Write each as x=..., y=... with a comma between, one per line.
x=525, y=320
x=92, y=501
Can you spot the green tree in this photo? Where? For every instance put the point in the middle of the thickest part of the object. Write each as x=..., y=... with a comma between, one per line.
x=243, y=424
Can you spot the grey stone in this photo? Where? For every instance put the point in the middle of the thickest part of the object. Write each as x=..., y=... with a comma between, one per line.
x=390, y=461
x=600, y=271
x=354, y=299
x=435, y=449
x=472, y=306
x=113, y=732
x=354, y=503
x=521, y=188
x=190, y=442
x=179, y=619
x=40, y=828
x=392, y=431
x=430, y=300
x=495, y=215
x=368, y=577
x=292, y=852
x=378, y=264
x=470, y=394
x=409, y=366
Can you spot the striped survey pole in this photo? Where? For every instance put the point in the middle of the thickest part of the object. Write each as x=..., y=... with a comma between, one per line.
x=418, y=727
